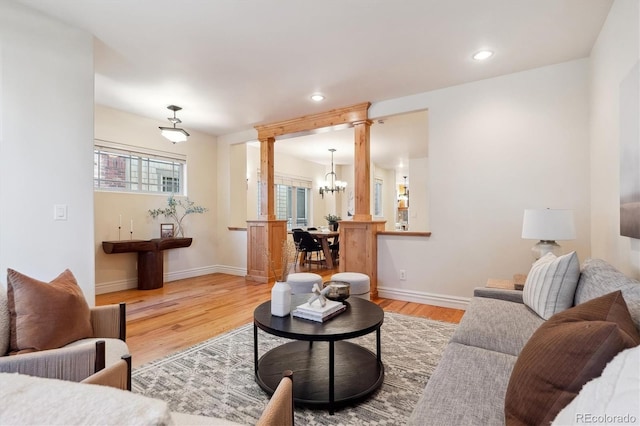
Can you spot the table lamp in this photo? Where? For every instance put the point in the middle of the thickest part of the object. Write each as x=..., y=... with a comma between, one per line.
x=547, y=226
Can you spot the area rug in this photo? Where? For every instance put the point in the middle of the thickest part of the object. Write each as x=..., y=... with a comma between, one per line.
x=216, y=378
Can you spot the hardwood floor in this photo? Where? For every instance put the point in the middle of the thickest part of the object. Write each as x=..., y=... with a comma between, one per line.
x=186, y=312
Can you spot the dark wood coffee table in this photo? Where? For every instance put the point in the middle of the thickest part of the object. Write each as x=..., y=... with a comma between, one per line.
x=327, y=371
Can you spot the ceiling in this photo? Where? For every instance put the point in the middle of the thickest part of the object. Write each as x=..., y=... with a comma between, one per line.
x=233, y=64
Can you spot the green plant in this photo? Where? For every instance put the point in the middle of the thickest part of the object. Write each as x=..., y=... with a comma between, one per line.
x=332, y=218
x=177, y=210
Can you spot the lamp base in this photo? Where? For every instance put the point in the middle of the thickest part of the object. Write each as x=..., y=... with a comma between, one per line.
x=545, y=246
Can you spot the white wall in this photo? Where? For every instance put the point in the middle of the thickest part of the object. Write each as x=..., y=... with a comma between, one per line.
x=46, y=147
x=496, y=147
x=389, y=196
x=419, y=194
x=612, y=58
x=118, y=271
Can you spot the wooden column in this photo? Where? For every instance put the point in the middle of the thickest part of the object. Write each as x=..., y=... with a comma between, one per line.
x=264, y=236
x=359, y=249
x=362, y=167
x=267, y=198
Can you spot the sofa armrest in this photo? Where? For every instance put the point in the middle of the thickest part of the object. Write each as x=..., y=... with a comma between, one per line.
x=109, y=321
x=117, y=375
x=498, y=293
x=73, y=363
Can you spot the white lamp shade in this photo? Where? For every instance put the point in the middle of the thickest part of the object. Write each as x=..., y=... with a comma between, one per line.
x=174, y=134
x=548, y=224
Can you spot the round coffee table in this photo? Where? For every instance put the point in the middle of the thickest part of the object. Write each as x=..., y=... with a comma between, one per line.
x=327, y=370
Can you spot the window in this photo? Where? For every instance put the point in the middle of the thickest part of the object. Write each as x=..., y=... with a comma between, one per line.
x=116, y=168
x=292, y=200
x=377, y=197
x=292, y=205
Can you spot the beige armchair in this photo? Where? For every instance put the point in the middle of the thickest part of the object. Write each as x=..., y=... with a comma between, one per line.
x=83, y=360
x=279, y=410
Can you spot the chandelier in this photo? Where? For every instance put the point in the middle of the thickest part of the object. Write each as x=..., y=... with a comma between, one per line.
x=174, y=134
x=331, y=183
x=405, y=193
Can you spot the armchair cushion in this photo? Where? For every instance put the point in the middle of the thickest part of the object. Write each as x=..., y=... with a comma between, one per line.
x=114, y=348
x=46, y=315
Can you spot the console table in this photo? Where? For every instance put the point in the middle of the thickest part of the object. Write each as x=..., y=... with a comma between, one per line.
x=150, y=259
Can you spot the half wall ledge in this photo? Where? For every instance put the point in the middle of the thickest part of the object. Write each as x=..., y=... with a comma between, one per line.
x=406, y=233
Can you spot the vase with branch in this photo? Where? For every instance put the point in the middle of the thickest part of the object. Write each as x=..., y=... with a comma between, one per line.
x=281, y=291
x=177, y=210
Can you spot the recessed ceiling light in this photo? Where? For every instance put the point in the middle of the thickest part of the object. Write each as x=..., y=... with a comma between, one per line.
x=482, y=55
x=317, y=97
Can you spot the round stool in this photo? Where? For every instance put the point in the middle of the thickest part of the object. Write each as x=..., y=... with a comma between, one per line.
x=360, y=284
x=302, y=282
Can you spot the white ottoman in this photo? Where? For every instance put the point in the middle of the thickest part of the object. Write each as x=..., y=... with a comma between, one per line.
x=360, y=283
x=302, y=282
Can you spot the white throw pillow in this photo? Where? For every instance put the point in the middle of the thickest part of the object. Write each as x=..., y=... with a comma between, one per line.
x=551, y=284
x=612, y=398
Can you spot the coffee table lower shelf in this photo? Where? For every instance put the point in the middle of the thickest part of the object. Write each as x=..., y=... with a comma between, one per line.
x=357, y=372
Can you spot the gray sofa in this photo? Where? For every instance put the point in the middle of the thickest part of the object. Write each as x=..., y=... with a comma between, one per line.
x=469, y=384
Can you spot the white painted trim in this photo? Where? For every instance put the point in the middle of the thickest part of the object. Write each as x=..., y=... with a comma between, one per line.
x=231, y=270
x=443, y=300
x=190, y=273
x=112, y=286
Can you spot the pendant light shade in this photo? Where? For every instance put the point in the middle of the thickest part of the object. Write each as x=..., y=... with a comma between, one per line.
x=174, y=134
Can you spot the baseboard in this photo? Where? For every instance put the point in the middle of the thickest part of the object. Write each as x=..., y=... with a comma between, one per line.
x=112, y=286
x=231, y=270
x=443, y=300
x=190, y=273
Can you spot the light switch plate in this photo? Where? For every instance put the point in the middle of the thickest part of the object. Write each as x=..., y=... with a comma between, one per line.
x=60, y=212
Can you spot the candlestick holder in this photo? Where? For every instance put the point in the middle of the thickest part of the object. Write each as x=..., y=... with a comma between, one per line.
x=131, y=235
x=119, y=229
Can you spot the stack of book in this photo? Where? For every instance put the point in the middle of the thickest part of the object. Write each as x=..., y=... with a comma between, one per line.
x=316, y=312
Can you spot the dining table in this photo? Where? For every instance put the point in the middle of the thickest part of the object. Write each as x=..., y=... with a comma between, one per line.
x=323, y=238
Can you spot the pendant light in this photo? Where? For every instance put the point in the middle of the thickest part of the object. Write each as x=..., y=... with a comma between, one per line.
x=331, y=184
x=174, y=134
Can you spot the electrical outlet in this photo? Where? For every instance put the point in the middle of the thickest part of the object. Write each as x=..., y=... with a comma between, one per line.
x=403, y=274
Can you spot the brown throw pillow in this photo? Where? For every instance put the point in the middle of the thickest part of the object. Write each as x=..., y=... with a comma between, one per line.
x=567, y=351
x=46, y=315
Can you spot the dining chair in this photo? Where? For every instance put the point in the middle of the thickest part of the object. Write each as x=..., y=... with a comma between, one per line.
x=335, y=250
x=296, y=232
x=310, y=245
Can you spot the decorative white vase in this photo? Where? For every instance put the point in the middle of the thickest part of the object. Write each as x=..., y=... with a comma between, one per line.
x=281, y=299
